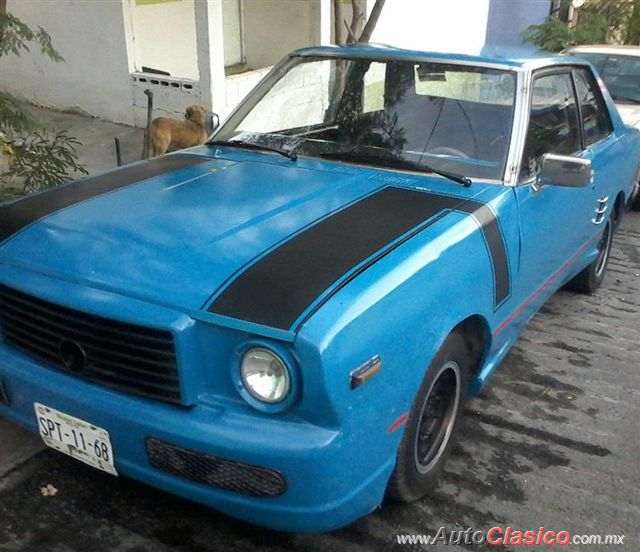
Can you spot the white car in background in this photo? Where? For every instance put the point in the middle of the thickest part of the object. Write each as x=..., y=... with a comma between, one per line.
x=619, y=67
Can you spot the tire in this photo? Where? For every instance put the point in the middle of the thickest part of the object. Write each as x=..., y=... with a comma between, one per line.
x=634, y=202
x=590, y=279
x=428, y=440
x=617, y=214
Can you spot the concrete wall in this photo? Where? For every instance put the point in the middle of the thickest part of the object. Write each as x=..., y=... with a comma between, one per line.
x=272, y=28
x=451, y=25
x=164, y=37
x=91, y=38
x=507, y=20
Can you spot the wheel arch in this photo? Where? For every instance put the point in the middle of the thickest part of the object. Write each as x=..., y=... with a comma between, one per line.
x=477, y=335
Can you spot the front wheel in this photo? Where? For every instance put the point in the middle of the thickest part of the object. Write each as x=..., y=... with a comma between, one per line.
x=433, y=422
x=590, y=279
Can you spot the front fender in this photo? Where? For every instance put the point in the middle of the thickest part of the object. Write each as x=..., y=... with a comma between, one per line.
x=401, y=309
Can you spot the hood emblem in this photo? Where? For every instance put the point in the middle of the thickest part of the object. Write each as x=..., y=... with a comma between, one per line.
x=73, y=356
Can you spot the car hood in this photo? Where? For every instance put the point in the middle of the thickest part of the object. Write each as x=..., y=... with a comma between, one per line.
x=177, y=238
x=630, y=114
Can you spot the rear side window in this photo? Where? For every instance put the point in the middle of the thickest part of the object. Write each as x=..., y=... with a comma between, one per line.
x=595, y=119
x=553, y=122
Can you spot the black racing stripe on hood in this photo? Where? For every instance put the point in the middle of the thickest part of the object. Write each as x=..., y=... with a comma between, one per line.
x=277, y=289
x=19, y=214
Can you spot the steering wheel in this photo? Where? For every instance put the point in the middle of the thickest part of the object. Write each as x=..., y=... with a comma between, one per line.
x=446, y=150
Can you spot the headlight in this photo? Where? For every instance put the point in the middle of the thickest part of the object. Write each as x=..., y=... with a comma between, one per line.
x=265, y=375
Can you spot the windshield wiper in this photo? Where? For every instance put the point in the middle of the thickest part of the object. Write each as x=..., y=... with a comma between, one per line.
x=395, y=163
x=253, y=146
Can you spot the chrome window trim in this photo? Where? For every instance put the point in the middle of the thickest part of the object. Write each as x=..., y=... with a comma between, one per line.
x=520, y=124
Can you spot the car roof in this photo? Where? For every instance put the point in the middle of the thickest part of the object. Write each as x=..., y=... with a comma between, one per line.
x=505, y=57
x=624, y=49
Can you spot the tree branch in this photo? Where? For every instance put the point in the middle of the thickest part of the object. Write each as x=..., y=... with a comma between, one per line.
x=351, y=38
x=372, y=21
x=357, y=19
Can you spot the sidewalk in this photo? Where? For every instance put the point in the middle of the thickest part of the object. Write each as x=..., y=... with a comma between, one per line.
x=98, y=152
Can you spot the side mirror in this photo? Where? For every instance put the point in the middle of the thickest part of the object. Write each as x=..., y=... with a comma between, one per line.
x=563, y=170
x=214, y=122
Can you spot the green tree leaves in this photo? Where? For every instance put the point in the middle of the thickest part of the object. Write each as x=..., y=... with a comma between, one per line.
x=34, y=158
x=598, y=22
x=14, y=36
x=43, y=159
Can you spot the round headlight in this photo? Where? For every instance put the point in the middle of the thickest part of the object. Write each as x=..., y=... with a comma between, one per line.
x=265, y=375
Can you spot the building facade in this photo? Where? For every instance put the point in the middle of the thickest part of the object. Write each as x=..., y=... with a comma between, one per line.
x=212, y=52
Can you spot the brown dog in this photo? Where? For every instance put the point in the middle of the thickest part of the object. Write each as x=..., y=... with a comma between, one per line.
x=166, y=132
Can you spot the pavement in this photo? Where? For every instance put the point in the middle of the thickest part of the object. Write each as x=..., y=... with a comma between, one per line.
x=97, y=152
x=552, y=442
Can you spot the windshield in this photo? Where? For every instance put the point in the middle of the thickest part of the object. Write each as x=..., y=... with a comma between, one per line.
x=621, y=74
x=454, y=118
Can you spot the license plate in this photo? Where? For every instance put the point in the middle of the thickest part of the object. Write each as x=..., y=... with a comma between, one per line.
x=74, y=437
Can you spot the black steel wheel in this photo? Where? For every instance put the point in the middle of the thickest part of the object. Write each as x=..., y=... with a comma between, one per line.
x=433, y=422
x=438, y=417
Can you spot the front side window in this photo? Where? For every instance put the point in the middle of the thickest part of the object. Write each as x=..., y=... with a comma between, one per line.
x=595, y=121
x=553, y=122
x=454, y=118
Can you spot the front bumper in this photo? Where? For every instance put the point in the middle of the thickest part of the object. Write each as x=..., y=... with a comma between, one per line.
x=324, y=490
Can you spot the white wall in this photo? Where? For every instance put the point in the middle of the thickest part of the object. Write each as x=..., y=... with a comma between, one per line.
x=164, y=37
x=90, y=35
x=272, y=28
x=440, y=25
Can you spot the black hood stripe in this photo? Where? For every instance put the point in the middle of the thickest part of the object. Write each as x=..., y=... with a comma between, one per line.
x=19, y=214
x=277, y=289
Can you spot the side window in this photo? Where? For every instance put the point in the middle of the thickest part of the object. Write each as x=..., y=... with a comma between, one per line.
x=595, y=120
x=553, y=122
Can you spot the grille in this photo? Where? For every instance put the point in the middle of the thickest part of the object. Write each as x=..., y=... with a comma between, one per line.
x=118, y=355
x=216, y=472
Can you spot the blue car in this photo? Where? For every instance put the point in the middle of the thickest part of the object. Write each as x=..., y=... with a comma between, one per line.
x=284, y=324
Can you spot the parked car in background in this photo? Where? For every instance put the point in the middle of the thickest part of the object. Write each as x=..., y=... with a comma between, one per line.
x=284, y=324
x=619, y=67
